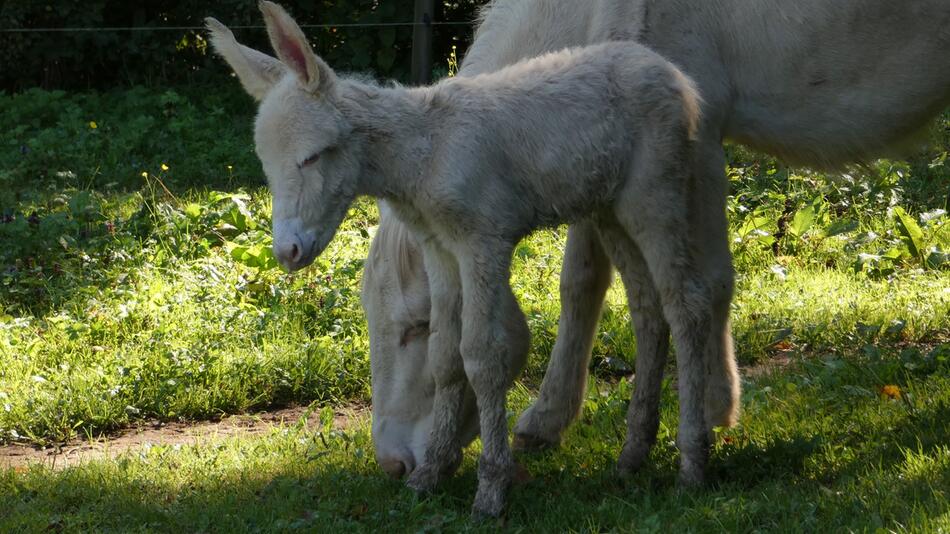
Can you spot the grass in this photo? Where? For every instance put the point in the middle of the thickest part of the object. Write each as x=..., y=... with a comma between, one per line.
x=819, y=448
x=136, y=283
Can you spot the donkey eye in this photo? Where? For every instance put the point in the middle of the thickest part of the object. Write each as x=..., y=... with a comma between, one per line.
x=311, y=160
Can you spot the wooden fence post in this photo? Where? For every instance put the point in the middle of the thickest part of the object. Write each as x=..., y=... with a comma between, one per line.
x=422, y=42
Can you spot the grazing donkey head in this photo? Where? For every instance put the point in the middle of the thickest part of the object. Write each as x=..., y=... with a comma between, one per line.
x=396, y=299
x=302, y=138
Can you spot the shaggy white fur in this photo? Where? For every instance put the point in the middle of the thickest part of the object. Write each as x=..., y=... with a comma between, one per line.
x=474, y=164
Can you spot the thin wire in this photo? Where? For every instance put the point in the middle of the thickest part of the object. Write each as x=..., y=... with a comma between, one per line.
x=183, y=28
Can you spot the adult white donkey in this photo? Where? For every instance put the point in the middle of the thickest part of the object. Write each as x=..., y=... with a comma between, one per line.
x=473, y=165
x=815, y=82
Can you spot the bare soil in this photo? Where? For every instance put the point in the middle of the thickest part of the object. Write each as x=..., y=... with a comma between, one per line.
x=774, y=362
x=20, y=456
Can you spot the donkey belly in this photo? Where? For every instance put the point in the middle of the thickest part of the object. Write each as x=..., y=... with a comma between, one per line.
x=828, y=83
x=567, y=201
x=575, y=183
x=840, y=117
x=813, y=81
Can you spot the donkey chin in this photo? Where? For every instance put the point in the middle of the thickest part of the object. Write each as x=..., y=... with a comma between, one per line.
x=401, y=442
x=295, y=247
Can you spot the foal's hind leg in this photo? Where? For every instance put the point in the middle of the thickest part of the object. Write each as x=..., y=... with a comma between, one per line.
x=653, y=343
x=585, y=277
x=443, y=451
x=653, y=209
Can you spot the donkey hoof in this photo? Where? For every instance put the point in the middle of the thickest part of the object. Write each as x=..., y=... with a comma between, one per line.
x=632, y=459
x=494, y=480
x=423, y=479
x=523, y=442
x=531, y=433
x=489, y=503
x=691, y=476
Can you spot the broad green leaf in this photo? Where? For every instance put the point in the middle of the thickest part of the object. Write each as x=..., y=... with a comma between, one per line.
x=803, y=220
x=237, y=252
x=227, y=229
x=910, y=232
x=893, y=254
x=766, y=240
x=193, y=211
x=217, y=196
x=841, y=226
x=937, y=259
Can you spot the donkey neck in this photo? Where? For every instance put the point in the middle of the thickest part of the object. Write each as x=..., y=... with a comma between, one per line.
x=392, y=124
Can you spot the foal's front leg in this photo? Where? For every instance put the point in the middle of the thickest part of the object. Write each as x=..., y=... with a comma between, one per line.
x=490, y=338
x=653, y=343
x=443, y=452
x=653, y=209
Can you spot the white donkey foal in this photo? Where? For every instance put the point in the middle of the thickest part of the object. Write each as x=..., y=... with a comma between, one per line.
x=395, y=294
x=473, y=165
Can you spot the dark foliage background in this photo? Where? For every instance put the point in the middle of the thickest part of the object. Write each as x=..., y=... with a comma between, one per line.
x=109, y=58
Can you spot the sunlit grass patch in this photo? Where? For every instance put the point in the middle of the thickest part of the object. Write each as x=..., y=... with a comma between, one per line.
x=820, y=309
x=183, y=328
x=813, y=456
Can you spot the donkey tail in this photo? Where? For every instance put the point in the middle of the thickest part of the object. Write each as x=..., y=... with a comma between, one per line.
x=691, y=100
x=723, y=386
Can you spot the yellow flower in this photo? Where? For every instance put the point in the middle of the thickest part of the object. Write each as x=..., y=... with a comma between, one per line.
x=144, y=174
x=93, y=125
x=891, y=391
x=230, y=167
x=164, y=167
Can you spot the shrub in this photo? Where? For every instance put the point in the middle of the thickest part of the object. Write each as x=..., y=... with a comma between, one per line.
x=107, y=57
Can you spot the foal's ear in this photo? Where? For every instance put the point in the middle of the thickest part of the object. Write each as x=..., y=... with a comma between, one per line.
x=294, y=51
x=257, y=71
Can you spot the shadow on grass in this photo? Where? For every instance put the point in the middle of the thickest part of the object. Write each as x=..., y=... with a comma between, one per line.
x=845, y=456
x=283, y=483
x=803, y=459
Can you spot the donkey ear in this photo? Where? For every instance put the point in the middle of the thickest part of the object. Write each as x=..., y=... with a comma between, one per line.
x=293, y=49
x=257, y=71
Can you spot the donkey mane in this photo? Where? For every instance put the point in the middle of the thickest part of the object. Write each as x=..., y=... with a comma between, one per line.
x=394, y=240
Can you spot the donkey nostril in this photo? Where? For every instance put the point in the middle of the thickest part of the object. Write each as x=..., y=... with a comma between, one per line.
x=393, y=468
x=295, y=252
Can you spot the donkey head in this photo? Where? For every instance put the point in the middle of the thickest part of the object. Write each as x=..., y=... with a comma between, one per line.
x=302, y=138
x=311, y=155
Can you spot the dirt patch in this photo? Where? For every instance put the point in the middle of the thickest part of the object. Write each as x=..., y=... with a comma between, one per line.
x=776, y=361
x=21, y=456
